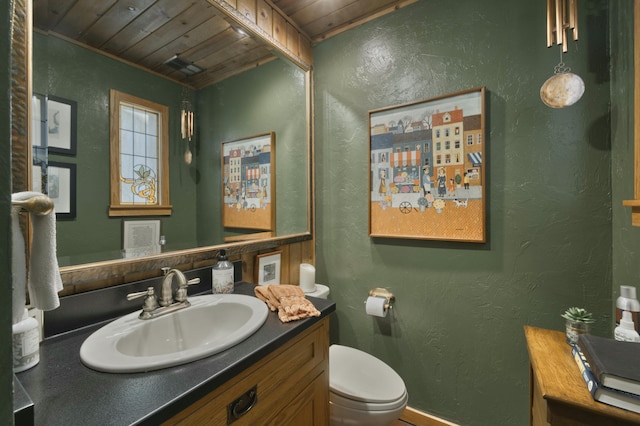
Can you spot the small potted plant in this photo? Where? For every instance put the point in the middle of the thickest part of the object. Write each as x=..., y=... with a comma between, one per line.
x=577, y=322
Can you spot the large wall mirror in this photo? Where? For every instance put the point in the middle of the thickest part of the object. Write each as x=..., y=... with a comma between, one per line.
x=635, y=203
x=238, y=86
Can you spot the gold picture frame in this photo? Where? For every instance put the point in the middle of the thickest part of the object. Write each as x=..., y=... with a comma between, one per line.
x=248, y=183
x=427, y=169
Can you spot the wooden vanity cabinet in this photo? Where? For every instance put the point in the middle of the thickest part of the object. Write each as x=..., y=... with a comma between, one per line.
x=291, y=387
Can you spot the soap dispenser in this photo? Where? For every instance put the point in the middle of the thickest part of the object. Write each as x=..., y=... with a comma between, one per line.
x=222, y=274
x=626, y=331
x=627, y=301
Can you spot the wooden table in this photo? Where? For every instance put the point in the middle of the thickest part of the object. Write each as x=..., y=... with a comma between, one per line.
x=558, y=394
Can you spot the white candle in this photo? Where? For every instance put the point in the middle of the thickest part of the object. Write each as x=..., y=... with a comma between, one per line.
x=307, y=277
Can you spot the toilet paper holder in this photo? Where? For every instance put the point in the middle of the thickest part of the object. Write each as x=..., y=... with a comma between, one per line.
x=383, y=293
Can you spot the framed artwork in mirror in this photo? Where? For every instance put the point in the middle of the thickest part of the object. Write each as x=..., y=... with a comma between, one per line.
x=38, y=142
x=248, y=179
x=427, y=169
x=61, y=188
x=38, y=125
x=62, y=117
x=39, y=178
x=268, y=268
x=140, y=238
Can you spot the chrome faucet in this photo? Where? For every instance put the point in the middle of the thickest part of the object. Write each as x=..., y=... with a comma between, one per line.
x=153, y=307
x=166, y=296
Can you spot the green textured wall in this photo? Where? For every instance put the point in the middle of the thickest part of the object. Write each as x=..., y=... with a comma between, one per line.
x=72, y=72
x=456, y=334
x=626, y=238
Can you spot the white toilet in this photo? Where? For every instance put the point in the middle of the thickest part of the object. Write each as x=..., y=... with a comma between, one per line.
x=320, y=291
x=362, y=389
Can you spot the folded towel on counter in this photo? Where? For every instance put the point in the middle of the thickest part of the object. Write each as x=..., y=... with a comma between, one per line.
x=44, y=281
x=288, y=300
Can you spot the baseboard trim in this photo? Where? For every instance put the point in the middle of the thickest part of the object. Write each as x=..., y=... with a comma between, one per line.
x=418, y=418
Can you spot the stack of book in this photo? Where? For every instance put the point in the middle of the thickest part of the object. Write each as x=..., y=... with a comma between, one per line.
x=610, y=369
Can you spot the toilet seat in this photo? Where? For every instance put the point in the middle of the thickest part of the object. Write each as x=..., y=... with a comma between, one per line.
x=358, y=379
x=336, y=399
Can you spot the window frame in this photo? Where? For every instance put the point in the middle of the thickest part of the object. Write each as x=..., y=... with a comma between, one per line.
x=117, y=207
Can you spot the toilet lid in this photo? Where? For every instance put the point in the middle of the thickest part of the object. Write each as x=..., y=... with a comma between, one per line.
x=362, y=377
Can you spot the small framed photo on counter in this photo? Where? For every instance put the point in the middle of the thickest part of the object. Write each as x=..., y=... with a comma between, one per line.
x=268, y=268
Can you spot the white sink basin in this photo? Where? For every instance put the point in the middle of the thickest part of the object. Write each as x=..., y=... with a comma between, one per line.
x=210, y=325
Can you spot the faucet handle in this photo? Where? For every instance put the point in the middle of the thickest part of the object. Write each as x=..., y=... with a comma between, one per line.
x=181, y=293
x=193, y=281
x=148, y=292
x=150, y=302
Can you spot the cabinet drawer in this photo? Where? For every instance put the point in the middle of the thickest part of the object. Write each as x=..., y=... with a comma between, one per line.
x=278, y=378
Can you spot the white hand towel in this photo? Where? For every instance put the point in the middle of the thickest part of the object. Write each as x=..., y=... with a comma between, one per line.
x=44, y=279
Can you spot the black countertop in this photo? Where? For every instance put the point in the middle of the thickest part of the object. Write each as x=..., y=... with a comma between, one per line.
x=22, y=404
x=66, y=392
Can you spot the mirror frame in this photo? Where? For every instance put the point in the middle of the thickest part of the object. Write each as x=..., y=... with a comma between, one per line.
x=21, y=95
x=635, y=203
x=636, y=96
x=121, y=271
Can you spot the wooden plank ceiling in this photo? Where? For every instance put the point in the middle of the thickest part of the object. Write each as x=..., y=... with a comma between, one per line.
x=150, y=32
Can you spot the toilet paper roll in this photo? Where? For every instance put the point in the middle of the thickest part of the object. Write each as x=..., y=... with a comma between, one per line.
x=375, y=306
x=307, y=277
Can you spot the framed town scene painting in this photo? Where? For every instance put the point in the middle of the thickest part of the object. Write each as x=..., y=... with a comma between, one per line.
x=248, y=176
x=427, y=169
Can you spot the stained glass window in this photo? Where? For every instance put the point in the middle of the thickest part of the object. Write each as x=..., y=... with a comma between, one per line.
x=139, y=149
